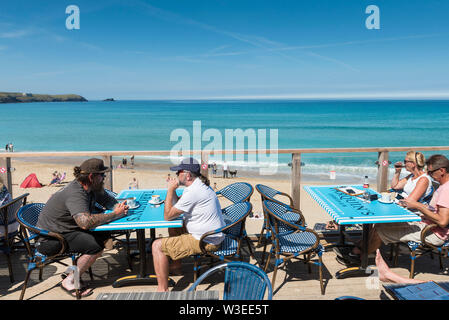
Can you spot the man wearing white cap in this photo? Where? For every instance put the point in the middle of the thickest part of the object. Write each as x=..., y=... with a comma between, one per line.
x=202, y=213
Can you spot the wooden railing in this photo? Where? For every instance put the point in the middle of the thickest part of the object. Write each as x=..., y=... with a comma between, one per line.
x=382, y=156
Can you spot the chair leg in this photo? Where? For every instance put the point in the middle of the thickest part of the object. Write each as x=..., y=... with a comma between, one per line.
x=412, y=265
x=25, y=282
x=128, y=250
x=261, y=235
x=41, y=271
x=11, y=276
x=320, y=270
x=91, y=274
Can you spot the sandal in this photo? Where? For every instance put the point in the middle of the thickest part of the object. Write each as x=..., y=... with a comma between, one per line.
x=331, y=225
x=82, y=290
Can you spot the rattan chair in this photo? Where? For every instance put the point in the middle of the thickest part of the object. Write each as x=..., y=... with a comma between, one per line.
x=291, y=240
x=242, y=281
x=28, y=216
x=292, y=215
x=237, y=192
x=234, y=231
x=418, y=249
x=10, y=228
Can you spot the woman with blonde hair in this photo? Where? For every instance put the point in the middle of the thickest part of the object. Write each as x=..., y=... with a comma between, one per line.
x=417, y=185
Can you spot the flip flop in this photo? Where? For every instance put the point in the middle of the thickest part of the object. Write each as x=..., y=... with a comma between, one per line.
x=72, y=292
x=331, y=225
x=82, y=282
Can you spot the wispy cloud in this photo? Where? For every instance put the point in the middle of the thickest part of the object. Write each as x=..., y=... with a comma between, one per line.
x=14, y=34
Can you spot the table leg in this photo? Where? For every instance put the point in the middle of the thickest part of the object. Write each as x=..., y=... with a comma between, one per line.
x=142, y=278
x=362, y=270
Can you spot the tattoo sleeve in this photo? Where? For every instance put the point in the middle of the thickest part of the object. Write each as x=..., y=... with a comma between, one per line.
x=88, y=221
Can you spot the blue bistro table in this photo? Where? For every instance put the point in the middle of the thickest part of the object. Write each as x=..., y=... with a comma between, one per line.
x=348, y=210
x=145, y=216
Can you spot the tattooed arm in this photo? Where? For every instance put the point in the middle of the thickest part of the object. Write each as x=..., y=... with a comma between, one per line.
x=87, y=221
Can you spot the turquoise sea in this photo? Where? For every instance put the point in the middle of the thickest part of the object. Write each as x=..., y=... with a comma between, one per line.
x=148, y=125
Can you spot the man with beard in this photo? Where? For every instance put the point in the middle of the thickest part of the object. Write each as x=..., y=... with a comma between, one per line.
x=70, y=213
x=202, y=213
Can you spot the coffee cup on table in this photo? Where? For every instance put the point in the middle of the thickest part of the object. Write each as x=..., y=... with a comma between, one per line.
x=155, y=198
x=385, y=197
x=131, y=202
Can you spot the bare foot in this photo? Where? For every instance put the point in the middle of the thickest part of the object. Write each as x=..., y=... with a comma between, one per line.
x=382, y=267
x=386, y=275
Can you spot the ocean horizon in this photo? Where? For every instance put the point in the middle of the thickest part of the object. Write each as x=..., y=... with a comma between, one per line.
x=150, y=125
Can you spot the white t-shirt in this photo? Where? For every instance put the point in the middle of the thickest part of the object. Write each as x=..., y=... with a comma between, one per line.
x=202, y=211
x=411, y=185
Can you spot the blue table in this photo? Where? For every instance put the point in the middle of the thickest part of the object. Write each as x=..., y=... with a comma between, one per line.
x=348, y=210
x=146, y=216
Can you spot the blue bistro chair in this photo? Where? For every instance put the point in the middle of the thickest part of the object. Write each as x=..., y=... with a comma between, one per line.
x=292, y=215
x=237, y=192
x=418, y=249
x=28, y=216
x=234, y=217
x=10, y=228
x=291, y=240
x=243, y=281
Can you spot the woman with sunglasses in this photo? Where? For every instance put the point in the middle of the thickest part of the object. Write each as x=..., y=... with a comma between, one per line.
x=417, y=185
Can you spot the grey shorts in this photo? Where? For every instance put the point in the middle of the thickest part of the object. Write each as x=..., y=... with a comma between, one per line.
x=404, y=232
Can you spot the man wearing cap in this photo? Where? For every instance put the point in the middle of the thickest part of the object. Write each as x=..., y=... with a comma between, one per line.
x=202, y=213
x=70, y=213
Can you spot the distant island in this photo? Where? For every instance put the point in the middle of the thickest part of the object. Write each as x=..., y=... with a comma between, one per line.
x=109, y=99
x=17, y=97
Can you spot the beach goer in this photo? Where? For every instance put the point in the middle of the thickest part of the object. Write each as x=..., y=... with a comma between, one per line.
x=437, y=211
x=55, y=178
x=134, y=184
x=225, y=169
x=214, y=169
x=69, y=212
x=132, y=160
x=168, y=178
x=417, y=185
x=202, y=213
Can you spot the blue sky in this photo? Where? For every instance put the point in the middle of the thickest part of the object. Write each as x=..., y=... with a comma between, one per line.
x=167, y=49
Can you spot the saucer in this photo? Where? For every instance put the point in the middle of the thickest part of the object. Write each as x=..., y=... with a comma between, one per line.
x=386, y=202
x=155, y=203
x=134, y=207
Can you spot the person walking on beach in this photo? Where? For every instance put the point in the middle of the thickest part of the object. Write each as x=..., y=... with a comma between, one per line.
x=202, y=213
x=225, y=170
x=70, y=213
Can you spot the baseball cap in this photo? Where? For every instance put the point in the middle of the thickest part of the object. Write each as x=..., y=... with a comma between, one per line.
x=189, y=164
x=94, y=165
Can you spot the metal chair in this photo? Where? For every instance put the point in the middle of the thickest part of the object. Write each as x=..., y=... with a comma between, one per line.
x=291, y=240
x=293, y=215
x=418, y=249
x=10, y=233
x=28, y=216
x=243, y=281
x=237, y=192
x=234, y=216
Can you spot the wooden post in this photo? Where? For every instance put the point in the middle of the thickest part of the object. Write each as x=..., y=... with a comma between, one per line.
x=296, y=179
x=6, y=177
x=382, y=172
x=204, y=162
x=109, y=176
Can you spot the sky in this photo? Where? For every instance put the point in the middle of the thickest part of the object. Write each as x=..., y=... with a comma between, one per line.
x=217, y=49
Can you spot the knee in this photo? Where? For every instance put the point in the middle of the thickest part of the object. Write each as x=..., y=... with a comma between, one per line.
x=157, y=245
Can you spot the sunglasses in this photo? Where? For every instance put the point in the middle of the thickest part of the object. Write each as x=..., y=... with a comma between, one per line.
x=430, y=172
x=406, y=160
x=179, y=172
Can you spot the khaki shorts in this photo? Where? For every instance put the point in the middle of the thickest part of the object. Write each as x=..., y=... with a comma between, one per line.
x=404, y=232
x=183, y=245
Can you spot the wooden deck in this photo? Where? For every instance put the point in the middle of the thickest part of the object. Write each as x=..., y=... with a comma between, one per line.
x=293, y=282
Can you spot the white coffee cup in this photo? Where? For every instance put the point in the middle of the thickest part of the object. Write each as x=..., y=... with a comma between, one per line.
x=155, y=198
x=386, y=197
x=131, y=202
